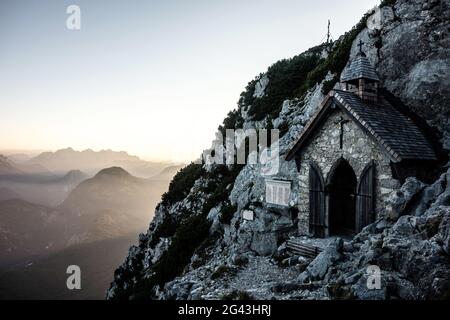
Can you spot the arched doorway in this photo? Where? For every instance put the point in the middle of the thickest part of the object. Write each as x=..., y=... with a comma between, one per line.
x=342, y=199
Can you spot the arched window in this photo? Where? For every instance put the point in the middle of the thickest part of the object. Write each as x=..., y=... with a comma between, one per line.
x=365, y=200
x=316, y=201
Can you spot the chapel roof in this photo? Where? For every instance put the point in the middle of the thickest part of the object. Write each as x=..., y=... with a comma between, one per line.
x=394, y=132
x=359, y=68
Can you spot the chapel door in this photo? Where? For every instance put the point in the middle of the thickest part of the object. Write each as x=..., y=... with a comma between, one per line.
x=342, y=202
x=365, y=201
x=316, y=202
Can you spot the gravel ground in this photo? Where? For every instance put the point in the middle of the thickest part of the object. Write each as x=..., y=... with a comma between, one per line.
x=260, y=278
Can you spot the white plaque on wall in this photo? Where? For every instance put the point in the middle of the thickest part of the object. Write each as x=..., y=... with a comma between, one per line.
x=248, y=215
x=278, y=192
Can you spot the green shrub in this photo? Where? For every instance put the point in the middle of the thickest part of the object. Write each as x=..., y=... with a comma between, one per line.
x=221, y=193
x=233, y=120
x=124, y=275
x=227, y=213
x=284, y=128
x=387, y=3
x=329, y=85
x=202, y=251
x=285, y=76
x=247, y=97
x=188, y=236
x=182, y=182
x=165, y=230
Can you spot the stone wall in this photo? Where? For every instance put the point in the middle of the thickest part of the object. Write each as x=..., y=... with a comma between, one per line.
x=358, y=149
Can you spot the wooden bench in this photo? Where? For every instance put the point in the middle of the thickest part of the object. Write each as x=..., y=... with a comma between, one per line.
x=302, y=249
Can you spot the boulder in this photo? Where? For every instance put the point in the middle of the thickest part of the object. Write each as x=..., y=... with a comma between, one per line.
x=431, y=193
x=319, y=267
x=401, y=199
x=405, y=226
x=264, y=243
x=443, y=235
x=261, y=86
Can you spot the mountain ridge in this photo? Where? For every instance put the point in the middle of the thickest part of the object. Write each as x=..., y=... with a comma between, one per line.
x=91, y=161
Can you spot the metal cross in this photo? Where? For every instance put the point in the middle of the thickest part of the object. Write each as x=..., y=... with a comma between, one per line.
x=341, y=122
x=360, y=45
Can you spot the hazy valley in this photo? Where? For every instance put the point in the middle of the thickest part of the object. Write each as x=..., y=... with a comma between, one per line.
x=52, y=214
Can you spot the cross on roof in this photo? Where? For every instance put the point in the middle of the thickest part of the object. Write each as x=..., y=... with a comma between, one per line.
x=360, y=45
x=341, y=121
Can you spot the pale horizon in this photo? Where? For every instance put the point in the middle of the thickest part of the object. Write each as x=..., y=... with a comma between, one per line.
x=153, y=78
x=36, y=152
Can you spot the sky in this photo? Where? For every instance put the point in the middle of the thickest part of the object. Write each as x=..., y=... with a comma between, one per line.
x=153, y=78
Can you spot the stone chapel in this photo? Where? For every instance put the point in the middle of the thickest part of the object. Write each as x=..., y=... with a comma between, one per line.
x=353, y=153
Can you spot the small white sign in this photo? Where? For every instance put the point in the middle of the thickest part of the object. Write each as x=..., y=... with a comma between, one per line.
x=278, y=192
x=248, y=215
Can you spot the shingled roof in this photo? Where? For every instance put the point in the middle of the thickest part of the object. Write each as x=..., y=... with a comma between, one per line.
x=394, y=132
x=358, y=68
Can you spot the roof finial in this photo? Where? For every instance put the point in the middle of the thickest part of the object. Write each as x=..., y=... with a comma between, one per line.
x=360, y=45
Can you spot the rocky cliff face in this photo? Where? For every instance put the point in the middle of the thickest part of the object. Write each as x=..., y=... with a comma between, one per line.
x=199, y=247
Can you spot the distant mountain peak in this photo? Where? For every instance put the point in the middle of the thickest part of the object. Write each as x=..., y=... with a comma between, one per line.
x=66, y=149
x=75, y=174
x=113, y=171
